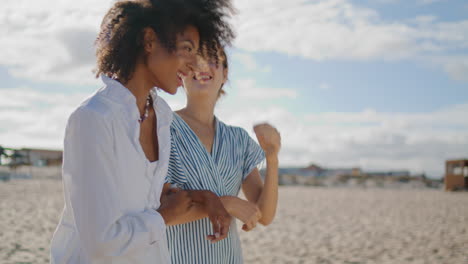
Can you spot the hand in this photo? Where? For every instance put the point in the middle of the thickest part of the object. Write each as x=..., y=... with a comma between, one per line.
x=247, y=212
x=219, y=217
x=269, y=138
x=174, y=203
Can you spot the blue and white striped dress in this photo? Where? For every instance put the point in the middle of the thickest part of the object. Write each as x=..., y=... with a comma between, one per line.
x=234, y=155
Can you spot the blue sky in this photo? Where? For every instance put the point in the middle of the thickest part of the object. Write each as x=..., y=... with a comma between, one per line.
x=381, y=84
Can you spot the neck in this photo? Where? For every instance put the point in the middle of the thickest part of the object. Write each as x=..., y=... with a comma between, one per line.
x=200, y=109
x=140, y=86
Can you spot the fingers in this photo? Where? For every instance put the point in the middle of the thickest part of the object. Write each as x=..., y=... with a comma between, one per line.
x=173, y=190
x=264, y=126
x=249, y=226
x=258, y=214
x=223, y=229
x=267, y=131
x=216, y=230
x=211, y=238
x=252, y=223
x=261, y=125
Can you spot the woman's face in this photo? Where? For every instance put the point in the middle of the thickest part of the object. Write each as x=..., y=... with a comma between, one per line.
x=168, y=68
x=207, y=79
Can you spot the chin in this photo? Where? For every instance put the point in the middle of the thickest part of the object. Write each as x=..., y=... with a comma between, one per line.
x=175, y=91
x=170, y=90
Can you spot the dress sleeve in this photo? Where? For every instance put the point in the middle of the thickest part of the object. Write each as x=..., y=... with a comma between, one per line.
x=253, y=154
x=95, y=191
x=175, y=173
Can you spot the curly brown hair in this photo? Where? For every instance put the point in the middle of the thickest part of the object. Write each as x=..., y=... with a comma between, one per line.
x=225, y=64
x=119, y=44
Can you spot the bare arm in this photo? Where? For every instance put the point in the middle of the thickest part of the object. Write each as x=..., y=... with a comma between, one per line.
x=265, y=195
x=204, y=204
x=196, y=211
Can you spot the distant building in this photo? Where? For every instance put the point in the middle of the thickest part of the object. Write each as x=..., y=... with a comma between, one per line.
x=28, y=163
x=456, y=175
x=402, y=173
x=315, y=175
x=37, y=157
x=356, y=172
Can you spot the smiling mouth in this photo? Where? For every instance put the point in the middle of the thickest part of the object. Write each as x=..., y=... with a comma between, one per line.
x=202, y=77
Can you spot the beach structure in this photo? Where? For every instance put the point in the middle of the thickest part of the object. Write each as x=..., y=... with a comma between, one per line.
x=456, y=175
x=38, y=157
x=29, y=163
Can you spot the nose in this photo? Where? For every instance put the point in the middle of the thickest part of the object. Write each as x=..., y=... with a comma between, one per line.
x=202, y=64
x=192, y=63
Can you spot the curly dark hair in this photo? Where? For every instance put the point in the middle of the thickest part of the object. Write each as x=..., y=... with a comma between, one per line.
x=119, y=44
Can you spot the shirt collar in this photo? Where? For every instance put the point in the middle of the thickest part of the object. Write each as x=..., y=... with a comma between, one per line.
x=120, y=94
x=117, y=92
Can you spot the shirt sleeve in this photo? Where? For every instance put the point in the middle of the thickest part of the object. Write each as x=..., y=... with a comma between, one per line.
x=253, y=154
x=175, y=172
x=95, y=192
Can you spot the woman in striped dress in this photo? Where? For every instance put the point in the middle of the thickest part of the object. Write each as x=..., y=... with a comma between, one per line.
x=209, y=155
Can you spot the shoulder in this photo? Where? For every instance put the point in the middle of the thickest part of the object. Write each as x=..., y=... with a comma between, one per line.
x=234, y=131
x=177, y=123
x=95, y=109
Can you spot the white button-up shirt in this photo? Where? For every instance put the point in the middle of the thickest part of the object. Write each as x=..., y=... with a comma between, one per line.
x=111, y=189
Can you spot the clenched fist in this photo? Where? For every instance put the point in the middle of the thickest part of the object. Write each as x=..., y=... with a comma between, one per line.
x=269, y=138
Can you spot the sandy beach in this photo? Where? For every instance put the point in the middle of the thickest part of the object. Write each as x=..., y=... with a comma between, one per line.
x=313, y=225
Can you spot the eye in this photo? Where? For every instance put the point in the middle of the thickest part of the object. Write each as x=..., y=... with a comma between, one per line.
x=212, y=64
x=188, y=48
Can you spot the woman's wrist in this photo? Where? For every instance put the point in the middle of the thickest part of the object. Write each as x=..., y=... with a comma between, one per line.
x=271, y=158
x=202, y=196
x=228, y=203
x=165, y=214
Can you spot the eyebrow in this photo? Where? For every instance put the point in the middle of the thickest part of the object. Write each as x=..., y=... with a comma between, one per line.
x=189, y=41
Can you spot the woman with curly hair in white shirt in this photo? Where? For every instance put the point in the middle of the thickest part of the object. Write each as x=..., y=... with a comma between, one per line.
x=117, y=142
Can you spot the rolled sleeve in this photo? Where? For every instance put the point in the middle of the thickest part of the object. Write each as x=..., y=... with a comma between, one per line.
x=158, y=227
x=253, y=155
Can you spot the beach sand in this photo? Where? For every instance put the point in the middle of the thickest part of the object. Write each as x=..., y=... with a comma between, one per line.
x=313, y=225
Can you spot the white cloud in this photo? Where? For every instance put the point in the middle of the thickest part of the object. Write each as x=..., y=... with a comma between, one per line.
x=56, y=44
x=420, y=2
x=338, y=29
x=30, y=118
x=427, y=2
x=457, y=67
x=324, y=86
x=248, y=88
x=249, y=62
x=50, y=44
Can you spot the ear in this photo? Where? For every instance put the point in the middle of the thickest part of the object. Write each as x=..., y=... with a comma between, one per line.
x=225, y=77
x=149, y=39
